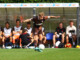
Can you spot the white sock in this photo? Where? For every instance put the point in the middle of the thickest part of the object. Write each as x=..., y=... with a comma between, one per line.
x=73, y=43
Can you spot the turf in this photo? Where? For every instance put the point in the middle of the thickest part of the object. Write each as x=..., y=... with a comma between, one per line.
x=47, y=54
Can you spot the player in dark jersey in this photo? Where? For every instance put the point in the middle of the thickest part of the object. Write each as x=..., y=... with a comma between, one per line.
x=26, y=40
x=37, y=22
x=60, y=33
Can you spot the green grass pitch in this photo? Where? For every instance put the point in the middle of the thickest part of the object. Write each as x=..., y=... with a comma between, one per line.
x=47, y=54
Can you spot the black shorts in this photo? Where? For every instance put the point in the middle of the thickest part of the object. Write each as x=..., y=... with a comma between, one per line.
x=59, y=38
x=7, y=39
x=36, y=31
x=25, y=42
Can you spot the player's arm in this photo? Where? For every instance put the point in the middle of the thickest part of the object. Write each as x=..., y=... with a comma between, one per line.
x=20, y=32
x=31, y=35
x=0, y=33
x=56, y=31
x=11, y=32
x=3, y=33
x=47, y=17
x=27, y=20
x=54, y=16
x=14, y=32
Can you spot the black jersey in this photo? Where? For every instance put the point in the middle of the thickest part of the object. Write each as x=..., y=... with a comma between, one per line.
x=37, y=21
x=58, y=30
x=25, y=37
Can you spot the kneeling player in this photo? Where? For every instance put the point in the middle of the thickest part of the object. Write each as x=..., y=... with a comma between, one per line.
x=17, y=31
x=26, y=40
x=7, y=33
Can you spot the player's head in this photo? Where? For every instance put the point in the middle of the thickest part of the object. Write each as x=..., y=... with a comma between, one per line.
x=41, y=15
x=60, y=25
x=7, y=25
x=17, y=22
x=71, y=23
x=25, y=31
x=28, y=25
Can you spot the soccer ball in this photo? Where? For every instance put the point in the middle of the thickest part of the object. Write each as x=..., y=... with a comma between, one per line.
x=41, y=46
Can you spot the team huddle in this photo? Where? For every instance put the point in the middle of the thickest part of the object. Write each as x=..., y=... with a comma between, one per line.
x=35, y=35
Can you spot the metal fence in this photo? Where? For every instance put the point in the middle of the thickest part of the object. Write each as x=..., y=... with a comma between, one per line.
x=67, y=14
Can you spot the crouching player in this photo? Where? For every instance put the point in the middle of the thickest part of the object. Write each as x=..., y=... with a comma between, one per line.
x=17, y=31
x=26, y=40
x=7, y=35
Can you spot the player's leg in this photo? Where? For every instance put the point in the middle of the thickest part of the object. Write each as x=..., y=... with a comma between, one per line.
x=0, y=40
x=14, y=39
x=74, y=39
x=3, y=41
x=35, y=40
x=44, y=39
x=11, y=39
x=63, y=35
x=67, y=39
x=40, y=38
x=54, y=40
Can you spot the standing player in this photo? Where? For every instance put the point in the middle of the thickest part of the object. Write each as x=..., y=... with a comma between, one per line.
x=17, y=31
x=7, y=33
x=28, y=28
x=37, y=22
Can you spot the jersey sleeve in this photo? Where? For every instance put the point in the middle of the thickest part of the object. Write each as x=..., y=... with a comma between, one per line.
x=1, y=29
x=13, y=29
x=46, y=17
x=64, y=30
x=21, y=28
x=56, y=30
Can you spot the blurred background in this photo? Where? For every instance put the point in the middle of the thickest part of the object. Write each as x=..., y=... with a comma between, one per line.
x=11, y=14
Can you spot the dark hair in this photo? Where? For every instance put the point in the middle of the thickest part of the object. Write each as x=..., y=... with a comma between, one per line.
x=17, y=20
x=7, y=22
x=24, y=30
x=60, y=22
x=70, y=21
x=28, y=22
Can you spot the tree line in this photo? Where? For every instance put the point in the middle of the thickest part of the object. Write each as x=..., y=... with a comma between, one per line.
x=37, y=1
